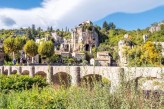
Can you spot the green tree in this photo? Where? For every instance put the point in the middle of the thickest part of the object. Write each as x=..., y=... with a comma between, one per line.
x=46, y=49
x=31, y=49
x=29, y=34
x=13, y=45
x=111, y=25
x=106, y=26
x=147, y=54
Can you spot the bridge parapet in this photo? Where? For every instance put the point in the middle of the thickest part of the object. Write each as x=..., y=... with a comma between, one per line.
x=132, y=73
x=114, y=74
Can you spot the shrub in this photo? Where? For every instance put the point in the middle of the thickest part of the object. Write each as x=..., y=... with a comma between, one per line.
x=76, y=98
x=19, y=82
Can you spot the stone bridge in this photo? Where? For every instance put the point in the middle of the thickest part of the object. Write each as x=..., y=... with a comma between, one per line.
x=76, y=73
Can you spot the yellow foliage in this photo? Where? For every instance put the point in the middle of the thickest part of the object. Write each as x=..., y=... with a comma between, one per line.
x=145, y=54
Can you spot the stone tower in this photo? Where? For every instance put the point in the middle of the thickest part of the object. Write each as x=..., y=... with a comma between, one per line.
x=84, y=37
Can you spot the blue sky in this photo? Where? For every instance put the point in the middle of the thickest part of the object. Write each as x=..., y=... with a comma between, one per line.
x=20, y=4
x=132, y=21
x=62, y=13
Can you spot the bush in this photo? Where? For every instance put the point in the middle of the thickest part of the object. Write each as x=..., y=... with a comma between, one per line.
x=76, y=98
x=19, y=82
x=54, y=58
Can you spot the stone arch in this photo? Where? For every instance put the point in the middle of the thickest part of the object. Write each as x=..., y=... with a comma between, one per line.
x=86, y=47
x=41, y=74
x=14, y=72
x=136, y=82
x=62, y=78
x=25, y=72
x=92, y=79
x=5, y=72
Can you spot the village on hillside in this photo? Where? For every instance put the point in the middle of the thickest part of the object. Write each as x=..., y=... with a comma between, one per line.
x=81, y=54
x=79, y=47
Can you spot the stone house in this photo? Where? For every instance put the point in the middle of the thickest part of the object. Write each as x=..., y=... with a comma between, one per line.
x=79, y=56
x=83, y=38
x=65, y=54
x=66, y=46
x=39, y=41
x=57, y=40
x=145, y=37
x=103, y=59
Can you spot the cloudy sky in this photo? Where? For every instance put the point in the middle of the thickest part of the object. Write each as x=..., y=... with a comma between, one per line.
x=62, y=13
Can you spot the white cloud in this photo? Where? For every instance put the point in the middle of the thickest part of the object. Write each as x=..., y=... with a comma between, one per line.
x=62, y=13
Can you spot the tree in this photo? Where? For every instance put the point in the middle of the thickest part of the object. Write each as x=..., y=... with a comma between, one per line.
x=33, y=31
x=29, y=34
x=150, y=53
x=9, y=46
x=46, y=49
x=147, y=54
x=106, y=26
x=31, y=49
x=13, y=45
x=111, y=25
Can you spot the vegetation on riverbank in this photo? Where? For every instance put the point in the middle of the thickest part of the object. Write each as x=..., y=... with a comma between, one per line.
x=20, y=82
x=97, y=97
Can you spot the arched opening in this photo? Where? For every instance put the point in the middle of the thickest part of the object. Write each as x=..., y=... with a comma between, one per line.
x=137, y=84
x=5, y=72
x=25, y=72
x=149, y=86
x=94, y=79
x=141, y=80
x=86, y=47
x=14, y=72
x=62, y=79
x=41, y=74
x=66, y=47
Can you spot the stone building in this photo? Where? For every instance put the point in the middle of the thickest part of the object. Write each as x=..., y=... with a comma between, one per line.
x=79, y=56
x=58, y=40
x=66, y=46
x=103, y=59
x=145, y=37
x=84, y=37
x=122, y=44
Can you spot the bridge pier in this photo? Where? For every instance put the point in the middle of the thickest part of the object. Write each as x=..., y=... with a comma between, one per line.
x=75, y=73
x=49, y=75
x=32, y=71
x=9, y=70
x=2, y=70
x=117, y=80
x=19, y=70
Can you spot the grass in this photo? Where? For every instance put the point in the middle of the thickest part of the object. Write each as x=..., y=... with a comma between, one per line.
x=98, y=97
x=93, y=93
